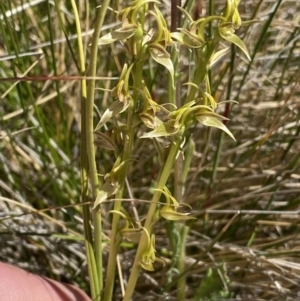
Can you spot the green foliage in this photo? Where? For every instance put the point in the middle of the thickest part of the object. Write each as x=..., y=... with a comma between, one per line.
x=214, y=286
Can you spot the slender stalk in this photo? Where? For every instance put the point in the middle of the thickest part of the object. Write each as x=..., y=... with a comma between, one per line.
x=177, y=244
x=111, y=267
x=93, y=176
x=199, y=76
x=208, y=248
x=181, y=284
x=114, y=244
x=93, y=275
x=164, y=175
x=210, y=33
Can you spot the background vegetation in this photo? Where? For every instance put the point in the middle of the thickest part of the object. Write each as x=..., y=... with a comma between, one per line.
x=244, y=244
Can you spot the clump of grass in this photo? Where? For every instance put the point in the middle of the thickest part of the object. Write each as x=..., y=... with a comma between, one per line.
x=152, y=156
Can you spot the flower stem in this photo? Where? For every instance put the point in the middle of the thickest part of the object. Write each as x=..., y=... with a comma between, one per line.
x=88, y=238
x=90, y=148
x=128, y=143
x=164, y=175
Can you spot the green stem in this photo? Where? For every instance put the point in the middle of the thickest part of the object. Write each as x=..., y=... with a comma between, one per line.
x=174, y=95
x=114, y=244
x=93, y=275
x=171, y=91
x=198, y=78
x=164, y=175
x=181, y=284
x=203, y=254
x=93, y=176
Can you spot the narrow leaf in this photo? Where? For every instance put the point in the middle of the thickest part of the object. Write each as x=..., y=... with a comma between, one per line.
x=212, y=114
x=191, y=40
x=106, y=40
x=163, y=130
x=217, y=56
x=106, y=191
x=214, y=122
x=170, y=214
x=161, y=56
x=229, y=36
x=124, y=32
x=115, y=108
x=187, y=15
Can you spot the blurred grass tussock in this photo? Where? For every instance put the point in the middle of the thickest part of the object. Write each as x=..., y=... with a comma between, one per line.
x=163, y=152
